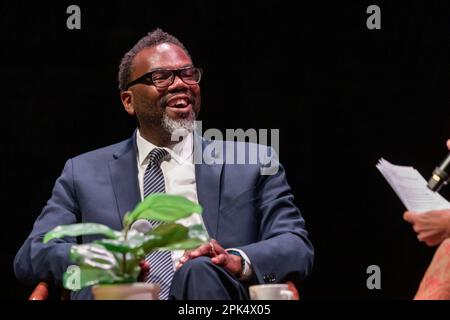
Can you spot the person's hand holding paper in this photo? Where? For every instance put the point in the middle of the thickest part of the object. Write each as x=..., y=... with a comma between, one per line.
x=432, y=227
x=411, y=188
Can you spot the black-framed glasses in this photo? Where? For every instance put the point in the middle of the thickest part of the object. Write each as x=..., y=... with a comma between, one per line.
x=163, y=78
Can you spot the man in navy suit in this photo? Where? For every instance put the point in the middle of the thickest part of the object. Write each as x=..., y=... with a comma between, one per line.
x=258, y=232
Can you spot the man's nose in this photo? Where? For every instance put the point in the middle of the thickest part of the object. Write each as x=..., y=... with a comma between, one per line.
x=178, y=84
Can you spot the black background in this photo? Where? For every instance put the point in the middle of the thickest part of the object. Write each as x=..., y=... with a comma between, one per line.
x=342, y=96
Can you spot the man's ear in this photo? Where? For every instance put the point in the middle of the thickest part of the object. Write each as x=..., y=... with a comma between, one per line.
x=127, y=101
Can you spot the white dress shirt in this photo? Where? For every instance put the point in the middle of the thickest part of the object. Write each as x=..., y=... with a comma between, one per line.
x=179, y=179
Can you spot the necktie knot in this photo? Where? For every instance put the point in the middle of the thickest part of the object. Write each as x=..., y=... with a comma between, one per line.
x=156, y=155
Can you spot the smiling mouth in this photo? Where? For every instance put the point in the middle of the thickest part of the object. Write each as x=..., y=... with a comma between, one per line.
x=179, y=103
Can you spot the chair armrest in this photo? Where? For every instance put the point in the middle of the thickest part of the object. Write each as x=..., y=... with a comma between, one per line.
x=40, y=292
x=291, y=286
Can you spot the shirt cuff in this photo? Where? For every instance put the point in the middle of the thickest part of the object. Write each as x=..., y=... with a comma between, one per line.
x=247, y=271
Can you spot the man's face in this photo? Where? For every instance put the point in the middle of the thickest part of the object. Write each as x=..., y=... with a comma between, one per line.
x=166, y=109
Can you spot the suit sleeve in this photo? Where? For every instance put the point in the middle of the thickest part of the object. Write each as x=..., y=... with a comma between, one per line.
x=283, y=251
x=36, y=261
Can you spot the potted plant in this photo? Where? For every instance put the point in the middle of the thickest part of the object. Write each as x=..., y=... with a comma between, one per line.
x=112, y=264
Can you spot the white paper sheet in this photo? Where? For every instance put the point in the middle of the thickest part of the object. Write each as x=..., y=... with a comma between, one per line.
x=411, y=188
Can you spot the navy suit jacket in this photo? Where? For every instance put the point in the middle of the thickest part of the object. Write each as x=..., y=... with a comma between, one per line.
x=242, y=209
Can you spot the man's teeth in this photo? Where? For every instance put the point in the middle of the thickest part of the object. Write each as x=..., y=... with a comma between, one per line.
x=178, y=102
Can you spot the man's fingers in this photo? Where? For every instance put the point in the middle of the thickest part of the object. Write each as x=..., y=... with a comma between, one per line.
x=203, y=250
x=408, y=216
x=216, y=247
x=184, y=259
x=212, y=249
x=219, y=259
x=448, y=144
x=145, y=269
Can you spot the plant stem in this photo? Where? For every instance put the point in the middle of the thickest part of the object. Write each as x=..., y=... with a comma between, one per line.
x=125, y=232
x=124, y=262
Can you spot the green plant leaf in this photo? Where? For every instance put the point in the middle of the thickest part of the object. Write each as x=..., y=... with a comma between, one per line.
x=130, y=245
x=133, y=268
x=166, y=234
x=116, y=259
x=85, y=276
x=97, y=265
x=81, y=229
x=176, y=237
x=163, y=207
x=197, y=231
x=197, y=235
x=93, y=255
x=183, y=245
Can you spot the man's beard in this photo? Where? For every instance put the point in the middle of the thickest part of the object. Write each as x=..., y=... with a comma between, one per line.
x=179, y=127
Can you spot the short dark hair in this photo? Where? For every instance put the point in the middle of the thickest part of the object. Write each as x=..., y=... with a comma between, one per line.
x=153, y=38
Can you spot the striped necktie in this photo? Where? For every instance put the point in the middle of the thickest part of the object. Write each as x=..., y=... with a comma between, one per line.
x=161, y=265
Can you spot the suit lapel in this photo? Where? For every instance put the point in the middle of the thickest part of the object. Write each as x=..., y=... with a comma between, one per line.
x=208, y=177
x=124, y=178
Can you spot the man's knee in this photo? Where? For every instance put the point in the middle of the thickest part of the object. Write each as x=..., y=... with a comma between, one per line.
x=199, y=278
x=197, y=265
x=199, y=272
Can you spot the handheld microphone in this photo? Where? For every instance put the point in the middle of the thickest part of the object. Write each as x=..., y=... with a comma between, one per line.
x=440, y=176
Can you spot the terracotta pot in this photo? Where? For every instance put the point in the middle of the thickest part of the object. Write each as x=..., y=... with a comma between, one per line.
x=128, y=291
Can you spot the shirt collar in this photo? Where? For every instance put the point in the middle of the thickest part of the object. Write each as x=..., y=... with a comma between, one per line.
x=180, y=151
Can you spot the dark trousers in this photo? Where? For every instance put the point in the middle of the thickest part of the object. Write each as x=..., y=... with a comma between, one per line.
x=200, y=279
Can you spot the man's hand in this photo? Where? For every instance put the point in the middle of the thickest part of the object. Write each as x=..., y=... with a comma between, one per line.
x=432, y=227
x=145, y=270
x=230, y=262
